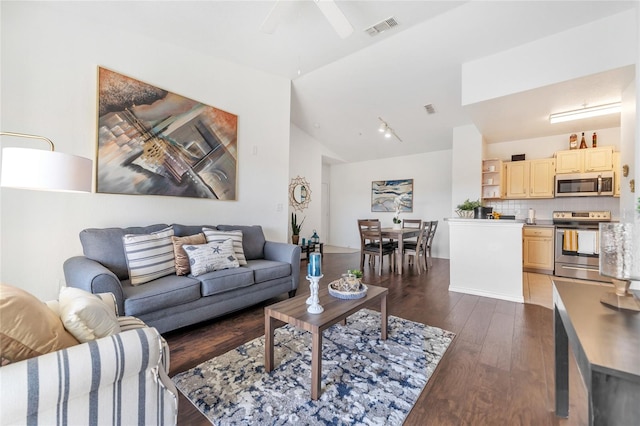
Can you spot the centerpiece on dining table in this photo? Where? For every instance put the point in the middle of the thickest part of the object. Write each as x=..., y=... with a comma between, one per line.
x=349, y=286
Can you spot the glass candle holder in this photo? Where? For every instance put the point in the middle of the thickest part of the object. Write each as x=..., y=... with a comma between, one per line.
x=315, y=265
x=620, y=260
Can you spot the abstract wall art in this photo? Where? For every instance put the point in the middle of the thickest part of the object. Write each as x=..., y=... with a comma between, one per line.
x=155, y=142
x=392, y=195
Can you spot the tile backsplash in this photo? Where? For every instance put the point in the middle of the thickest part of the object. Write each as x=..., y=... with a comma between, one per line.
x=545, y=208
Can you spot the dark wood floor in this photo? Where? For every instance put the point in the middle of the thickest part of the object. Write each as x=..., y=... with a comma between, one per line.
x=497, y=371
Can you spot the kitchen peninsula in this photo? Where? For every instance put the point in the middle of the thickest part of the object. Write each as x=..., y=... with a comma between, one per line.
x=486, y=257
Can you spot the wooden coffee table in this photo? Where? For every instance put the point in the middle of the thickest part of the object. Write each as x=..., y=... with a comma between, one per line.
x=294, y=311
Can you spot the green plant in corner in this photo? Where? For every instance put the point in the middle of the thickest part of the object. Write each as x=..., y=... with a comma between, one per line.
x=295, y=226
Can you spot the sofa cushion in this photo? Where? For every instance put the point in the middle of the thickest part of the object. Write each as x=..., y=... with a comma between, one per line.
x=86, y=315
x=226, y=279
x=105, y=246
x=159, y=294
x=210, y=257
x=252, y=239
x=28, y=328
x=266, y=270
x=182, y=260
x=149, y=256
x=235, y=236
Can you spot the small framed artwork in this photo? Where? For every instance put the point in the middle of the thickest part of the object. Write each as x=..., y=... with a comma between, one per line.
x=392, y=195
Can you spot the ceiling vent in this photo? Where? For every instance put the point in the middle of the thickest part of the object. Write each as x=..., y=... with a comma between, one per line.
x=381, y=26
x=430, y=109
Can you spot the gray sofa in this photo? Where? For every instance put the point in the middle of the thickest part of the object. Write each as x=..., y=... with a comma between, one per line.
x=173, y=301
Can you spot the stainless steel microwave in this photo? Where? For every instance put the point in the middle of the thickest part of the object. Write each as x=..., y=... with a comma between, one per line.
x=593, y=184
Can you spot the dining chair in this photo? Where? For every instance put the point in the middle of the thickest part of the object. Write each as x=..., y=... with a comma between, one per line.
x=412, y=223
x=416, y=249
x=428, y=242
x=372, y=244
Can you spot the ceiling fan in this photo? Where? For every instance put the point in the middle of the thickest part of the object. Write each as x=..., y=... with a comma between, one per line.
x=329, y=9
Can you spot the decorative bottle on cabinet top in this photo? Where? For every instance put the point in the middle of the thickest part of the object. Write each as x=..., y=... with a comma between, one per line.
x=594, y=140
x=583, y=143
x=573, y=141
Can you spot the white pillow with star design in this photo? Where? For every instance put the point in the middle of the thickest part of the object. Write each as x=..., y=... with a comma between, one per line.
x=210, y=257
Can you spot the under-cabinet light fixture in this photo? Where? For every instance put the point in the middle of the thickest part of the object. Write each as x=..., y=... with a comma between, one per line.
x=586, y=112
x=387, y=130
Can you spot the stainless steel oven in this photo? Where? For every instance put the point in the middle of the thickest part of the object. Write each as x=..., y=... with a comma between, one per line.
x=577, y=244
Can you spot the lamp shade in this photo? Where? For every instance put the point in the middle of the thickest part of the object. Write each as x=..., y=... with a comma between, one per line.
x=27, y=168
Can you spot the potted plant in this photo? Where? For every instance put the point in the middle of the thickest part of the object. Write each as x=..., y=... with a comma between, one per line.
x=397, y=222
x=295, y=228
x=466, y=209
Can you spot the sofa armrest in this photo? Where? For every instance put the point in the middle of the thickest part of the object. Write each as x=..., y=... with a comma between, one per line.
x=89, y=275
x=117, y=378
x=283, y=252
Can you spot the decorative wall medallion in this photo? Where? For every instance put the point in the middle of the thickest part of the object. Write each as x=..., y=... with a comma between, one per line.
x=299, y=193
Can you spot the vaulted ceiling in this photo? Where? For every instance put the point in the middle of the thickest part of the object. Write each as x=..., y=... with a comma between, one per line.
x=341, y=86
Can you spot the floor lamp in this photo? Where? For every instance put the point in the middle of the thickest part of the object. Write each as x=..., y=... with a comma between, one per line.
x=43, y=170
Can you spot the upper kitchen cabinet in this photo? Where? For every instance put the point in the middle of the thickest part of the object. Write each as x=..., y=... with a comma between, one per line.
x=542, y=178
x=492, y=179
x=517, y=178
x=584, y=160
x=530, y=179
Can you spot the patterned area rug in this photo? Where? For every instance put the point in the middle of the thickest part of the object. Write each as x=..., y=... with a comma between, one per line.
x=365, y=380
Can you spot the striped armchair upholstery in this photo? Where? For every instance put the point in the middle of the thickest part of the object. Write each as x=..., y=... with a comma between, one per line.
x=118, y=379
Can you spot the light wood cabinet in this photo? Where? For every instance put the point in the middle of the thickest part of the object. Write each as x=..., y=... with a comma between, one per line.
x=492, y=179
x=537, y=249
x=530, y=178
x=584, y=160
x=542, y=178
x=569, y=161
x=517, y=179
x=617, y=174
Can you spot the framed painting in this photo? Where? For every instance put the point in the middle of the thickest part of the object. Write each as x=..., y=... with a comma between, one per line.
x=155, y=142
x=386, y=195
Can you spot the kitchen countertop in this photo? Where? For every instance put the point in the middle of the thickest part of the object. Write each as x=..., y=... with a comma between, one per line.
x=541, y=222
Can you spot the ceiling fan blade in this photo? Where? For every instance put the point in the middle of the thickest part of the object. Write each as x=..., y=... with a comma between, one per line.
x=336, y=18
x=275, y=16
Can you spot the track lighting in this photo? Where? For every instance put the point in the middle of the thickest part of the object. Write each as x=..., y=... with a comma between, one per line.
x=578, y=114
x=387, y=130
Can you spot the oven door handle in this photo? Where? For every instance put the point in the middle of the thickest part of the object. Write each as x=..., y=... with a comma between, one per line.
x=580, y=269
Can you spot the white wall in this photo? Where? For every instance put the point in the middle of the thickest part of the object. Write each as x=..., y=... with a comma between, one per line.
x=466, y=165
x=594, y=47
x=351, y=195
x=48, y=82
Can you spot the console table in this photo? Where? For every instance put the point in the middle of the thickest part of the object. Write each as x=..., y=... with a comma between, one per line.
x=606, y=345
x=310, y=248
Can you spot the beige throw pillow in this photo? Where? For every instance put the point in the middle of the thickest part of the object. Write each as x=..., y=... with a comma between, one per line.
x=86, y=315
x=28, y=328
x=182, y=260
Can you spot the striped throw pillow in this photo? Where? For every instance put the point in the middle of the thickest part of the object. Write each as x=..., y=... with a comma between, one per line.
x=214, y=235
x=149, y=256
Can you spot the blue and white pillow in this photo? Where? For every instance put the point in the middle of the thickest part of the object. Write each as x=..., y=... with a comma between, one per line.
x=149, y=256
x=236, y=236
x=210, y=257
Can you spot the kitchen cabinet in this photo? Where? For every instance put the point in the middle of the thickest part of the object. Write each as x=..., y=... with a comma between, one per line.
x=492, y=179
x=542, y=178
x=537, y=249
x=517, y=178
x=584, y=160
x=530, y=178
x=617, y=174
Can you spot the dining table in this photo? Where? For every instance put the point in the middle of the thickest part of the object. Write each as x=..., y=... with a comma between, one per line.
x=400, y=234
